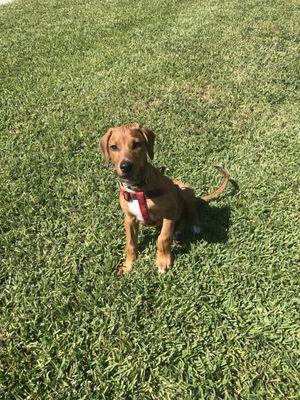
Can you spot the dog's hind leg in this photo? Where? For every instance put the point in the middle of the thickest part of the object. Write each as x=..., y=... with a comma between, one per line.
x=190, y=201
x=195, y=223
x=180, y=227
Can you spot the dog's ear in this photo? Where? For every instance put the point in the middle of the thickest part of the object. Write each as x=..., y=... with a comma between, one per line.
x=103, y=146
x=150, y=138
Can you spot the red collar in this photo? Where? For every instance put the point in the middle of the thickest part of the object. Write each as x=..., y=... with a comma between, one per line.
x=141, y=197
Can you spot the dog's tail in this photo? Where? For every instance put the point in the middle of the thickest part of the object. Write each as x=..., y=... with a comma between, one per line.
x=221, y=188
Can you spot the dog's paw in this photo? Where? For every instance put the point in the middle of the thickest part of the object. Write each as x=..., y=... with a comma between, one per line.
x=196, y=229
x=163, y=263
x=124, y=269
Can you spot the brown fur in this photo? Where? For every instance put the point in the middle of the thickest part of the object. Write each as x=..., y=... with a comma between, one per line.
x=175, y=209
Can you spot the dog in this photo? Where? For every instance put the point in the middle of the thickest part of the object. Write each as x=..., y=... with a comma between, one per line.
x=148, y=196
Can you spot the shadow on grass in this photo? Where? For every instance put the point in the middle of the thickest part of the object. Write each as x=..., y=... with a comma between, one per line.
x=214, y=224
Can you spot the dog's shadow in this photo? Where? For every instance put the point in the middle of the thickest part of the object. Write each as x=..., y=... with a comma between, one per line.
x=214, y=222
x=214, y=225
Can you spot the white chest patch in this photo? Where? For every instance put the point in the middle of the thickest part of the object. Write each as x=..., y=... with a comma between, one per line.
x=134, y=208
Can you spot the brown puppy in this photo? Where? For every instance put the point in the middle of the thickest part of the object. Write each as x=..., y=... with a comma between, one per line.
x=147, y=196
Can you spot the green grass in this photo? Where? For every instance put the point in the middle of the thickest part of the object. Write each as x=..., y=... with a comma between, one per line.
x=217, y=82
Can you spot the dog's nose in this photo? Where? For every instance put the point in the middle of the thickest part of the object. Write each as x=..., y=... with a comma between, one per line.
x=126, y=166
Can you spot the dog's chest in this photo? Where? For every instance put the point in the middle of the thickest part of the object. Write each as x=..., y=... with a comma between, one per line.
x=134, y=209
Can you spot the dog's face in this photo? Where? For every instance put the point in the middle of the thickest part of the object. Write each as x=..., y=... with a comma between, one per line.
x=127, y=146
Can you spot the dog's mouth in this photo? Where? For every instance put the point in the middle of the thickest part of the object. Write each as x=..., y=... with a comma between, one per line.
x=133, y=179
x=127, y=178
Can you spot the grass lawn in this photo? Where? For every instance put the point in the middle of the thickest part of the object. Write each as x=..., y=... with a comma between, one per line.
x=217, y=82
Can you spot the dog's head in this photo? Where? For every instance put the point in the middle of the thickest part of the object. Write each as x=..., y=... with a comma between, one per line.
x=127, y=146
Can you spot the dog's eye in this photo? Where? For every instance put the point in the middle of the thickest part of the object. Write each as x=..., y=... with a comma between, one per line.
x=114, y=147
x=136, y=145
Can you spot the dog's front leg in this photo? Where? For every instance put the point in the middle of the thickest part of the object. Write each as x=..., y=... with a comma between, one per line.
x=164, y=257
x=132, y=229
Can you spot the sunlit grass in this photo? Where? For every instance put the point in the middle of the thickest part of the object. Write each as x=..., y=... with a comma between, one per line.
x=216, y=81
